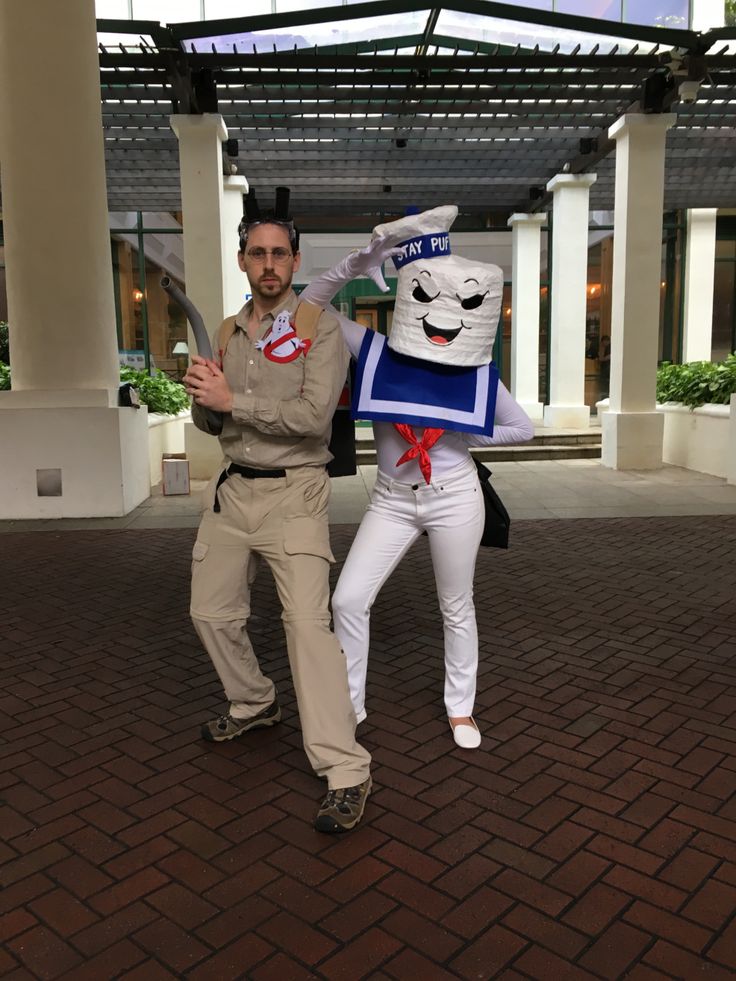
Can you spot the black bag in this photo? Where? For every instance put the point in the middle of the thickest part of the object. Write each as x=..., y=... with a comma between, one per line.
x=496, y=529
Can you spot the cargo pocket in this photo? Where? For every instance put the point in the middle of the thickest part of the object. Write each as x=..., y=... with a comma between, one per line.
x=307, y=536
x=199, y=551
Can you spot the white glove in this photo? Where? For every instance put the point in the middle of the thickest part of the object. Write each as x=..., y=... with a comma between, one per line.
x=369, y=261
x=363, y=262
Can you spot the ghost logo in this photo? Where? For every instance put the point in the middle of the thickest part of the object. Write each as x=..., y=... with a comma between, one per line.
x=281, y=344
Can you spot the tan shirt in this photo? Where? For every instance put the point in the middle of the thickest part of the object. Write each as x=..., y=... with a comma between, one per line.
x=282, y=412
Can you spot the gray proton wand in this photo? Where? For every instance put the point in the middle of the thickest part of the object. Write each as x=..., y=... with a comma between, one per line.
x=204, y=348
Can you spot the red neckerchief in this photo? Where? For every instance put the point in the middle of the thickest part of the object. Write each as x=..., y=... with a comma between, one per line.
x=417, y=448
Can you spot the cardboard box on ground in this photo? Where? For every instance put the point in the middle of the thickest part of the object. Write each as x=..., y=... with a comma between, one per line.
x=175, y=473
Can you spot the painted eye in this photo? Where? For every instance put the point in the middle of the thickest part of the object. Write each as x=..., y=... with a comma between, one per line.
x=419, y=294
x=473, y=302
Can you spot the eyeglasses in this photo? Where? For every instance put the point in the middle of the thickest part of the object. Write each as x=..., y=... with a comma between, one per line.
x=279, y=255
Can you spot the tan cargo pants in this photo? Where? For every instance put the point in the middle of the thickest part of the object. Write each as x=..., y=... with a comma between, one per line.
x=284, y=520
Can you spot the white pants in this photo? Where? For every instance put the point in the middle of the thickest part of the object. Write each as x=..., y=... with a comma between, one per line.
x=450, y=509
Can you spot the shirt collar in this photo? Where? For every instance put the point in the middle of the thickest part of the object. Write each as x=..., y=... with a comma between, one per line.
x=289, y=303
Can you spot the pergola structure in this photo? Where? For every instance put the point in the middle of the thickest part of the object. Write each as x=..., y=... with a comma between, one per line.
x=420, y=105
x=361, y=109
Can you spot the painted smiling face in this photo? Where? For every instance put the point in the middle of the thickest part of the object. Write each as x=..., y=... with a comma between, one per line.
x=447, y=307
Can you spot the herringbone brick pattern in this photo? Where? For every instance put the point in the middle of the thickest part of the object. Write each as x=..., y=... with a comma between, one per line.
x=593, y=836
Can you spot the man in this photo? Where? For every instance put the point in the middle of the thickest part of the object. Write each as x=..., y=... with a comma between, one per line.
x=271, y=501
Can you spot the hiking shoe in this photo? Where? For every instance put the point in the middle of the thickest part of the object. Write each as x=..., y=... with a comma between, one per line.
x=227, y=727
x=342, y=809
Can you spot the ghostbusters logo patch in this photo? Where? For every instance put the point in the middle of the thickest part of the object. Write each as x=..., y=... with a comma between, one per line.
x=281, y=344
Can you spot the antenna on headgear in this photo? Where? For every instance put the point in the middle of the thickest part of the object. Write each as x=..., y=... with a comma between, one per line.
x=281, y=211
x=252, y=211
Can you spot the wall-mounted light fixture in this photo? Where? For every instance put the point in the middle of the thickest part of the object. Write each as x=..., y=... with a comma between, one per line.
x=137, y=296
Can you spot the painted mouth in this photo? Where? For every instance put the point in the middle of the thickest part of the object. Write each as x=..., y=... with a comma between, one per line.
x=436, y=335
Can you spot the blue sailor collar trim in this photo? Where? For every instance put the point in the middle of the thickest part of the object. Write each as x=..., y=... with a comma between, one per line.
x=391, y=387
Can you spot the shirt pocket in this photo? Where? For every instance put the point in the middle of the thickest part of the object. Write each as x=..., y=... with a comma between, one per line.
x=307, y=536
x=284, y=379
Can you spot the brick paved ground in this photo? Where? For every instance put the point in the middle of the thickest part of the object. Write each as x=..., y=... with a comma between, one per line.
x=594, y=836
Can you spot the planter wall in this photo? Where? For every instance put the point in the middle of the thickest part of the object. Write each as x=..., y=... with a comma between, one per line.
x=700, y=439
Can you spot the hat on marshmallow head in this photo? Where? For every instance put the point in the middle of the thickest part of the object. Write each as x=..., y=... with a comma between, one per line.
x=447, y=307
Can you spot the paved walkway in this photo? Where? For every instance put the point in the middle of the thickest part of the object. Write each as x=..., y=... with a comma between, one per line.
x=535, y=489
x=592, y=836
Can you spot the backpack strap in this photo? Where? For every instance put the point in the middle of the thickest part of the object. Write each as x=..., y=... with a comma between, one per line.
x=224, y=333
x=305, y=320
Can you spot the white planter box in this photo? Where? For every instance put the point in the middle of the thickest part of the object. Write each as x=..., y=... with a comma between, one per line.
x=165, y=435
x=701, y=439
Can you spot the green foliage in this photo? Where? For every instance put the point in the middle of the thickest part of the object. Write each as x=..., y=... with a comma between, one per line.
x=697, y=382
x=4, y=343
x=730, y=13
x=158, y=391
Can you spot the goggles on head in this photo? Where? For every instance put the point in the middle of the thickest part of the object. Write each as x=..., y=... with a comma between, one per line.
x=278, y=215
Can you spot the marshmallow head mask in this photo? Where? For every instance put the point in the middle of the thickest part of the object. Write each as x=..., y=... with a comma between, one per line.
x=447, y=307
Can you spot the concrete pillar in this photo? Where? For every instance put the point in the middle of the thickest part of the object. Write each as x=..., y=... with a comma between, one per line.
x=700, y=258
x=200, y=167
x=632, y=429
x=74, y=453
x=567, y=408
x=525, y=262
x=236, y=283
x=706, y=14
x=731, y=458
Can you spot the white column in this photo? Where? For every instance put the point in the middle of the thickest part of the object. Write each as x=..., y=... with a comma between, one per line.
x=525, y=263
x=57, y=245
x=71, y=451
x=236, y=283
x=731, y=458
x=700, y=268
x=632, y=428
x=567, y=408
x=200, y=167
x=706, y=14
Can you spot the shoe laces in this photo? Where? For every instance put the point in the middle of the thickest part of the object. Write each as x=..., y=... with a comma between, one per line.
x=342, y=799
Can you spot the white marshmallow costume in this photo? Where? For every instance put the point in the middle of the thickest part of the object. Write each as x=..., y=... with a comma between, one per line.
x=434, y=376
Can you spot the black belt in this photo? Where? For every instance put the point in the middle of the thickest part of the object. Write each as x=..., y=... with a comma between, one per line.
x=248, y=472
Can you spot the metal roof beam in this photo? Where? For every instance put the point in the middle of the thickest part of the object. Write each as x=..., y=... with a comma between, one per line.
x=484, y=8
x=309, y=58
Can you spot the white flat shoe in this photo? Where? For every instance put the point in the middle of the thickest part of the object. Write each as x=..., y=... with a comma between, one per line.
x=465, y=736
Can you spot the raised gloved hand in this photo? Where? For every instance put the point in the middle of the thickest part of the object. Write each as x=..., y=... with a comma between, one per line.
x=369, y=261
x=362, y=262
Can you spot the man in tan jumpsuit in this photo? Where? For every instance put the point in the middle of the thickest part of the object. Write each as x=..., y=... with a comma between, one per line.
x=271, y=500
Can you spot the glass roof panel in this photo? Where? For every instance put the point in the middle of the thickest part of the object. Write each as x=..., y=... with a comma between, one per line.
x=114, y=9
x=166, y=11
x=309, y=35
x=218, y=9
x=131, y=42
x=492, y=30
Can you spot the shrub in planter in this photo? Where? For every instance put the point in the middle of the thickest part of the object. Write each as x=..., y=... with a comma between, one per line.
x=157, y=391
x=4, y=343
x=697, y=382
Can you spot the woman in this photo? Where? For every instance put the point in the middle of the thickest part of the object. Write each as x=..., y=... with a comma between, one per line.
x=433, y=485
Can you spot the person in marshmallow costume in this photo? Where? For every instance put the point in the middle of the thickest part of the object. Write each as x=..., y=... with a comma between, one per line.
x=432, y=392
